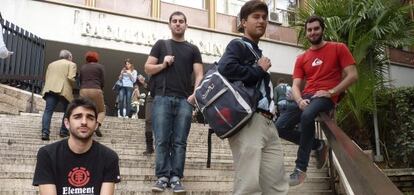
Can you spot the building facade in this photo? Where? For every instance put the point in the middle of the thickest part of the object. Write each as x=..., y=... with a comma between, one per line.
x=120, y=29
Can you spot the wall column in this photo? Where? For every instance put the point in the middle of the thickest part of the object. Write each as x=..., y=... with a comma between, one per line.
x=212, y=12
x=90, y=3
x=156, y=9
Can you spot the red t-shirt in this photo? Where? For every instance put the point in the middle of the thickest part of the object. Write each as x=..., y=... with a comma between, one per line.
x=322, y=68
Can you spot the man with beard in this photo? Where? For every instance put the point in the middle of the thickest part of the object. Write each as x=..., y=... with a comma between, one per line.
x=328, y=70
x=171, y=64
x=78, y=165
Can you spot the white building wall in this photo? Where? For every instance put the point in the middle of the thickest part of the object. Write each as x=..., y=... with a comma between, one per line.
x=401, y=76
x=104, y=30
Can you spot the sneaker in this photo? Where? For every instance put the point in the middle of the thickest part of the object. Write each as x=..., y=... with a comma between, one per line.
x=148, y=151
x=322, y=155
x=177, y=186
x=45, y=137
x=297, y=177
x=160, y=184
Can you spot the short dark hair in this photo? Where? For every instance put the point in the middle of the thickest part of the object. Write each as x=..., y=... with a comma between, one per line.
x=314, y=18
x=250, y=7
x=281, y=80
x=81, y=102
x=177, y=13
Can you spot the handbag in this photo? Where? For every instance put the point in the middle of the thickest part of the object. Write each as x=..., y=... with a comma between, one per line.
x=118, y=84
x=226, y=106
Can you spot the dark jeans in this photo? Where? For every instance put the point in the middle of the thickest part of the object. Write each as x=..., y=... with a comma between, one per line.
x=52, y=99
x=171, y=121
x=148, y=121
x=124, y=99
x=284, y=105
x=305, y=137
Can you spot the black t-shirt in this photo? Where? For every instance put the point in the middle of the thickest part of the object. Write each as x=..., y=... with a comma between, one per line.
x=76, y=173
x=178, y=75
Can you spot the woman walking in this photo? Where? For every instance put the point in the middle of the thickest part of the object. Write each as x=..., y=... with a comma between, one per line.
x=92, y=83
x=128, y=76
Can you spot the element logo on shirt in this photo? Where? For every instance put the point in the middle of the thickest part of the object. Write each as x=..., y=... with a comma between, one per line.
x=78, y=176
x=317, y=62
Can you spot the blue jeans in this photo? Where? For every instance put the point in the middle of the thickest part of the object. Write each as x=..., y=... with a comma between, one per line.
x=171, y=121
x=52, y=99
x=305, y=137
x=125, y=94
x=285, y=105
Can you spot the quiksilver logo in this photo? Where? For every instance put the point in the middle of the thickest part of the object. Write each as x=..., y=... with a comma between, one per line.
x=317, y=62
x=209, y=89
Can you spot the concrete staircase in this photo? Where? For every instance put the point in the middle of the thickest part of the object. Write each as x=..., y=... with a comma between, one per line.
x=14, y=100
x=20, y=141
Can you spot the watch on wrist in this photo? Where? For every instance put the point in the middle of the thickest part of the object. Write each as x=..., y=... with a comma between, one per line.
x=331, y=91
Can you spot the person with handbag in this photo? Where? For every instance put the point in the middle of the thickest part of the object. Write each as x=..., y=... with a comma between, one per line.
x=128, y=77
x=257, y=150
x=92, y=79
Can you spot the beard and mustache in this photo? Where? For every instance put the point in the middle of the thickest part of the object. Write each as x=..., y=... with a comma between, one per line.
x=316, y=41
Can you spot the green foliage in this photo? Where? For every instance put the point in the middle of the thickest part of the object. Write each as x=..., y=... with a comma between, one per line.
x=396, y=116
x=368, y=27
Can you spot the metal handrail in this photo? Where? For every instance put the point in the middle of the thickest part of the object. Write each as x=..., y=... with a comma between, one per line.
x=25, y=67
x=363, y=176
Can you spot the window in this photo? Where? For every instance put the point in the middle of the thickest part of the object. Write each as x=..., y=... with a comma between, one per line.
x=189, y=3
x=230, y=7
x=131, y=7
x=282, y=11
x=79, y=2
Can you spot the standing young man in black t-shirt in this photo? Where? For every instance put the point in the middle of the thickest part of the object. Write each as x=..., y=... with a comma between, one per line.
x=170, y=65
x=78, y=165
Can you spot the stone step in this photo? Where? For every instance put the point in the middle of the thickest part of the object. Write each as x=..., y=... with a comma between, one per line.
x=198, y=165
x=191, y=158
x=169, y=192
x=130, y=151
x=6, y=108
x=199, y=146
x=125, y=125
x=9, y=130
x=24, y=144
x=315, y=184
x=19, y=143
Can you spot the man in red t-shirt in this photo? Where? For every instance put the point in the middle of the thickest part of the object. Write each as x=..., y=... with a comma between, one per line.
x=328, y=69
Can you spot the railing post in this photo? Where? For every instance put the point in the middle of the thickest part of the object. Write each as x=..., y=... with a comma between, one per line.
x=332, y=172
x=32, y=96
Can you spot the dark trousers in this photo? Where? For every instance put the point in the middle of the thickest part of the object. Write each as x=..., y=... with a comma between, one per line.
x=52, y=99
x=305, y=137
x=148, y=122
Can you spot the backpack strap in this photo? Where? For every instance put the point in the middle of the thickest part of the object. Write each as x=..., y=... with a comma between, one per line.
x=248, y=45
x=168, y=48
